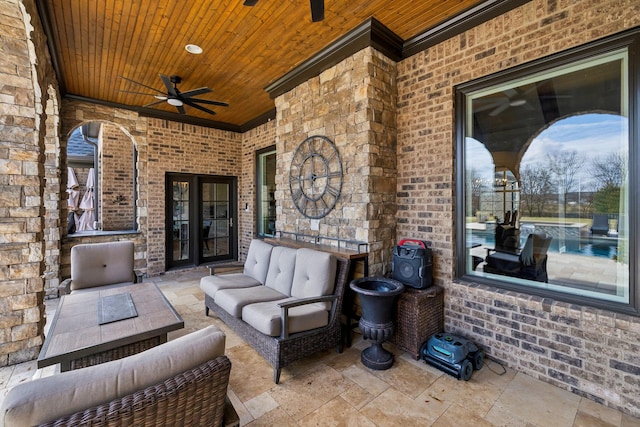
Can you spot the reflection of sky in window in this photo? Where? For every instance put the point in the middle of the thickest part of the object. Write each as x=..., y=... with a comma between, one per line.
x=590, y=135
x=478, y=159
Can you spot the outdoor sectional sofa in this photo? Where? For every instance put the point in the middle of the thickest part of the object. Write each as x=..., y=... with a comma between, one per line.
x=286, y=303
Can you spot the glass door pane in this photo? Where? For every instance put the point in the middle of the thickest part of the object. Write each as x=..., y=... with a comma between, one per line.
x=217, y=221
x=180, y=237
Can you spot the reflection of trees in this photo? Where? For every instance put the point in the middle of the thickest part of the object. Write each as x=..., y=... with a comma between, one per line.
x=535, y=188
x=610, y=170
x=609, y=173
x=477, y=185
x=564, y=167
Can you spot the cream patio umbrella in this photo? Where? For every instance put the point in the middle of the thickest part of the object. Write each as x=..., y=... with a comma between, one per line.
x=72, y=190
x=87, y=205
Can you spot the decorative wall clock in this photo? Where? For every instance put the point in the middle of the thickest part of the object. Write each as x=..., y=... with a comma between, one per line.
x=315, y=177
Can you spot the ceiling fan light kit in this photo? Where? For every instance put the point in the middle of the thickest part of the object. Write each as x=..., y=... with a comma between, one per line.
x=175, y=102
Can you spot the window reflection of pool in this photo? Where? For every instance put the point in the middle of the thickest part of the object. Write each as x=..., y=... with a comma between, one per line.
x=605, y=247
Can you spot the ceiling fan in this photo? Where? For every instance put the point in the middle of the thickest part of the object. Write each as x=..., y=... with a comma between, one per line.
x=520, y=97
x=174, y=97
x=317, y=8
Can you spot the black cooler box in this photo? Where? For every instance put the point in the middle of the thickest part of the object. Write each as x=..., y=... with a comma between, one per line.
x=413, y=264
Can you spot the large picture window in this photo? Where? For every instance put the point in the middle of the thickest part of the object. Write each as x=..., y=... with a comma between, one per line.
x=544, y=177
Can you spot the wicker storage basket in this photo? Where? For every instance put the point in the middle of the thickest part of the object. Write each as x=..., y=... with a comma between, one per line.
x=420, y=314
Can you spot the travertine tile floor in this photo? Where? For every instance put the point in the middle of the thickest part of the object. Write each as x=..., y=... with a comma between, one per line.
x=332, y=389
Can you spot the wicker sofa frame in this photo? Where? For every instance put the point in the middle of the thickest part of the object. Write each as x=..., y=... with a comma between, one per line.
x=287, y=348
x=194, y=397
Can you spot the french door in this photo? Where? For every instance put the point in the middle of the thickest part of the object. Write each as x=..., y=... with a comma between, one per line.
x=201, y=219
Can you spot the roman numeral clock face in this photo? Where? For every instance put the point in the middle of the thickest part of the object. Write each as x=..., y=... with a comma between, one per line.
x=315, y=177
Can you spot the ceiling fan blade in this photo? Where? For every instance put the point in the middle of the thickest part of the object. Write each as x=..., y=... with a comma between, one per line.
x=160, y=101
x=250, y=2
x=167, y=82
x=143, y=85
x=199, y=107
x=181, y=109
x=317, y=10
x=500, y=109
x=137, y=93
x=206, y=101
x=195, y=92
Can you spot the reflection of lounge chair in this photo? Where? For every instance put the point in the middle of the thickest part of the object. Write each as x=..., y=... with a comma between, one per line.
x=530, y=263
x=600, y=224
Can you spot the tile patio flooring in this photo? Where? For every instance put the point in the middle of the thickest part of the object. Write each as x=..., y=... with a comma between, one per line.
x=332, y=389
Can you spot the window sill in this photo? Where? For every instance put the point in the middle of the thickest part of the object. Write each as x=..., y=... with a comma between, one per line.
x=94, y=233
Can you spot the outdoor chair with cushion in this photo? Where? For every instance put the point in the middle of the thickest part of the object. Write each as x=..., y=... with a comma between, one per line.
x=530, y=263
x=600, y=224
x=180, y=383
x=100, y=264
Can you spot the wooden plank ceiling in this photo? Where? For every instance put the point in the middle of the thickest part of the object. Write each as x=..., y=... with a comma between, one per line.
x=96, y=43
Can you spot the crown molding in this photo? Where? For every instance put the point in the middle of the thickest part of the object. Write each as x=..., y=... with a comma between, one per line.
x=458, y=24
x=160, y=114
x=370, y=33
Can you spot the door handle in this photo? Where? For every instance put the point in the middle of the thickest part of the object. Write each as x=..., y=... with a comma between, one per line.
x=230, y=221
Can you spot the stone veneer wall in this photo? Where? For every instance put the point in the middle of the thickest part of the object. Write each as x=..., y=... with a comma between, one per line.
x=353, y=104
x=26, y=97
x=594, y=353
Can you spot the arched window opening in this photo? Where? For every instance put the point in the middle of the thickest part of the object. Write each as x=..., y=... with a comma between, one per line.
x=101, y=184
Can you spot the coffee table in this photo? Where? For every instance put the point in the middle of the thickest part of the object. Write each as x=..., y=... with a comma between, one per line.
x=76, y=339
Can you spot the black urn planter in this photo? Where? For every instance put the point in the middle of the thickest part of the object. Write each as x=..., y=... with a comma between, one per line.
x=377, y=300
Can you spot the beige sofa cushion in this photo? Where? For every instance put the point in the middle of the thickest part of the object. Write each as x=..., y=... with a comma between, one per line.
x=233, y=300
x=315, y=274
x=266, y=317
x=97, y=264
x=281, y=265
x=49, y=398
x=212, y=284
x=257, y=262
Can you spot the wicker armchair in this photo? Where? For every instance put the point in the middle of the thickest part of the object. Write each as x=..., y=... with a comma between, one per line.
x=181, y=382
x=187, y=399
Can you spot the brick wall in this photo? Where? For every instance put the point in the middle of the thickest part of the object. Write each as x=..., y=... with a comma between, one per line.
x=591, y=352
x=183, y=148
x=116, y=206
x=353, y=104
x=74, y=113
x=252, y=141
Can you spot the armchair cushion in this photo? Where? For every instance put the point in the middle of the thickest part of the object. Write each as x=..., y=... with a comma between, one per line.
x=98, y=264
x=49, y=398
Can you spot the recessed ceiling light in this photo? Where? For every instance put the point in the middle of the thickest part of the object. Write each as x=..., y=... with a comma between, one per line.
x=192, y=48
